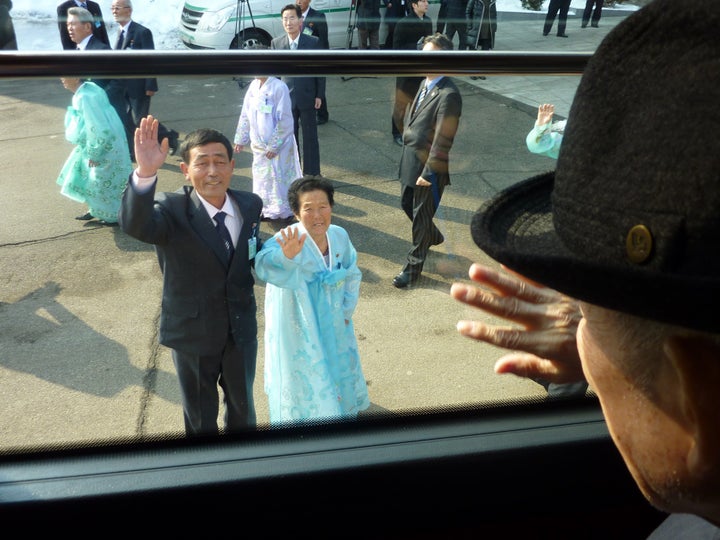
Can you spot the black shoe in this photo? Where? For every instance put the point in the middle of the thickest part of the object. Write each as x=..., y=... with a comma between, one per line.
x=595, y=25
x=562, y=35
x=478, y=77
x=87, y=216
x=545, y=33
x=583, y=25
x=173, y=140
x=403, y=279
x=398, y=140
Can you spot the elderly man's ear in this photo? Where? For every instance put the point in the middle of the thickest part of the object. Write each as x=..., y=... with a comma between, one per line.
x=696, y=360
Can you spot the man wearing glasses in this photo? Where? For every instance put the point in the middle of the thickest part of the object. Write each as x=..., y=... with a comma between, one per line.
x=306, y=93
x=99, y=30
x=133, y=35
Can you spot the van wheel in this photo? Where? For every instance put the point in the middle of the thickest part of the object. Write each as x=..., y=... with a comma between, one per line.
x=249, y=39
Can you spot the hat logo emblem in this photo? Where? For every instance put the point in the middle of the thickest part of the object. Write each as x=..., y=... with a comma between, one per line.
x=638, y=244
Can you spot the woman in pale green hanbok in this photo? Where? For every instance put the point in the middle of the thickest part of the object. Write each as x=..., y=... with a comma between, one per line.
x=545, y=138
x=312, y=365
x=97, y=170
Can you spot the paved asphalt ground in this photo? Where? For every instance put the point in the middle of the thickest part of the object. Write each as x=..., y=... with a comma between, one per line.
x=79, y=302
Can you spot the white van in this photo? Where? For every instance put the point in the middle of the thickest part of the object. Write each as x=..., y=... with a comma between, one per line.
x=240, y=24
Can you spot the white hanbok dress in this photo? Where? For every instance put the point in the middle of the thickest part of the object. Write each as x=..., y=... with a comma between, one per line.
x=266, y=125
x=312, y=365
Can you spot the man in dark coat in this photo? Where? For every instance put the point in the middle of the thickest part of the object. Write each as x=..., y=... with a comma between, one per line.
x=133, y=36
x=430, y=127
x=206, y=237
x=98, y=25
x=314, y=23
x=306, y=93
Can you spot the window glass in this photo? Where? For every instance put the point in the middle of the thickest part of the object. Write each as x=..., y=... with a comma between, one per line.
x=80, y=302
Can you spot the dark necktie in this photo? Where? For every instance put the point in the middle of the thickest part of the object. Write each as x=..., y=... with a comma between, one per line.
x=83, y=5
x=421, y=97
x=121, y=38
x=224, y=233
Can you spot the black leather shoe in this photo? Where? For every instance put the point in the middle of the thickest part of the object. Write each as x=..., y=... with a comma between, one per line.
x=87, y=216
x=403, y=279
x=562, y=35
x=595, y=25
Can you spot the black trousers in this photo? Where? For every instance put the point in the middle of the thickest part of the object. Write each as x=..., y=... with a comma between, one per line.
x=420, y=204
x=561, y=6
x=234, y=370
x=306, y=122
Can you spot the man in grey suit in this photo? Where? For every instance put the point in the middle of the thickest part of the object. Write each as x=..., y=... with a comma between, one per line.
x=430, y=126
x=205, y=237
x=306, y=93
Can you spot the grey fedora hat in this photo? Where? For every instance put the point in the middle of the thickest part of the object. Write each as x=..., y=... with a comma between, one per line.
x=630, y=218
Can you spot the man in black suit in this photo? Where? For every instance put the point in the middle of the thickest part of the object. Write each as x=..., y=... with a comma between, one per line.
x=315, y=24
x=205, y=237
x=430, y=126
x=80, y=30
x=98, y=24
x=133, y=35
x=306, y=93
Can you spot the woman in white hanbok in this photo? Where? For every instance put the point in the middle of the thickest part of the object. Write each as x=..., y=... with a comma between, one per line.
x=312, y=365
x=266, y=124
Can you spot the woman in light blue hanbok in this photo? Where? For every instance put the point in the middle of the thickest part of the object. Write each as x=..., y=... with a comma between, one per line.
x=312, y=365
x=98, y=168
x=546, y=136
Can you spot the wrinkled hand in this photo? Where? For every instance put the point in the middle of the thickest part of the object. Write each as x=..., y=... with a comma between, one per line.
x=291, y=241
x=543, y=337
x=545, y=114
x=149, y=155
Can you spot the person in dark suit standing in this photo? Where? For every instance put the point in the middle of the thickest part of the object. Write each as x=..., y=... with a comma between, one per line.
x=98, y=24
x=315, y=24
x=409, y=31
x=394, y=11
x=80, y=30
x=206, y=237
x=306, y=93
x=430, y=127
x=133, y=35
x=561, y=6
x=8, y=41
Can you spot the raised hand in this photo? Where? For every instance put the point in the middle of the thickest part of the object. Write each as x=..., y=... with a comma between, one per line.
x=149, y=154
x=545, y=114
x=291, y=241
x=542, y=337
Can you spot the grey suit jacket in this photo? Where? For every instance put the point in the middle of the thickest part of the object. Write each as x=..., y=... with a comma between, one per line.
x=204, y=295
x=429, y=134
x=303, y=90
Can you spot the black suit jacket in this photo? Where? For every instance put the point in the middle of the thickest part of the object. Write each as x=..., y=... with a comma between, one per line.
x=99, y=29
x=303, y=90
x=139, y=37
x=204, y=296
x=315, y=24
x=114, y=88
x=429, y=134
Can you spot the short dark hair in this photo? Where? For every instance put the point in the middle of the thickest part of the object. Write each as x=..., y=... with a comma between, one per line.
x=441, y=41
x=306, y=184
x=293, y=7
x=201, y=137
